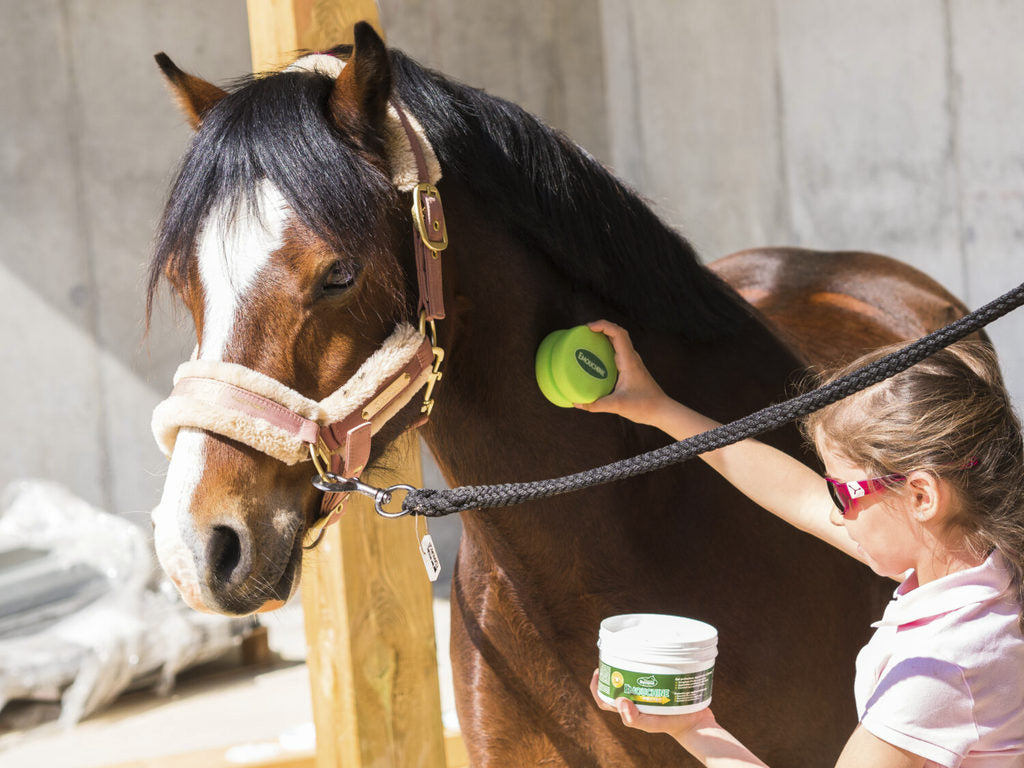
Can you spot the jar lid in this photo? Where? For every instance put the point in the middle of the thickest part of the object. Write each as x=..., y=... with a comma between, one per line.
x=576, y=365
x=639, y=633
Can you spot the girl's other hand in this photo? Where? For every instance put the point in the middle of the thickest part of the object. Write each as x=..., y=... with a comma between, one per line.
x=676, y=726
x=636, y=395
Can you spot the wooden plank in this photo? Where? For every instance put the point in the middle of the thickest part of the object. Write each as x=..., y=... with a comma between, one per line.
x=279, y=28
x=455, y=752
x=372, y=657
x=367, y=602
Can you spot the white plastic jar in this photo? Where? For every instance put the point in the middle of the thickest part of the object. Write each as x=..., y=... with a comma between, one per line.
x=665, y=664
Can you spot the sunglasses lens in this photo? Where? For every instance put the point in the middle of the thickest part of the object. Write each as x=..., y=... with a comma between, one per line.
x=837, y=499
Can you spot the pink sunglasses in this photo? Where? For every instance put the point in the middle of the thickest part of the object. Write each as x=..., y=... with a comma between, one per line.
x=844, y=493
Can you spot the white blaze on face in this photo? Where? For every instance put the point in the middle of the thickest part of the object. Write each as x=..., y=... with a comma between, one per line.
x=231, y=252
x=173, y=533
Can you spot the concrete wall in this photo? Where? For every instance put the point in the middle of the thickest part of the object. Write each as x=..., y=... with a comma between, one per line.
x=545, y=56
x=89, y=140
x=882, y=126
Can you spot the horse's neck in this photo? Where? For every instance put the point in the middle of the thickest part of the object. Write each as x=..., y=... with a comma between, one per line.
x=491, y=424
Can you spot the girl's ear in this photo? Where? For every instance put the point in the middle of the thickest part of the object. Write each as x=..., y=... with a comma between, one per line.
x=194, y=95
x=928, y=496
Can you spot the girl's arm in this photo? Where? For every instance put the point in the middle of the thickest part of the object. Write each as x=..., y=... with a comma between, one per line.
x=865, y=750
x=698, y=732
x=701, y=735
x=784, y=486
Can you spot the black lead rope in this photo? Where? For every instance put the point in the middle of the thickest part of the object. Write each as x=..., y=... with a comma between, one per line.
x=431, y=502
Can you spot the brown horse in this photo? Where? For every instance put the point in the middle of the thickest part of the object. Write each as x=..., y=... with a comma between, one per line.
x=286, y=237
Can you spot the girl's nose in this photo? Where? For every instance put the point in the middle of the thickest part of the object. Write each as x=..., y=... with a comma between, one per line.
x=835, y=517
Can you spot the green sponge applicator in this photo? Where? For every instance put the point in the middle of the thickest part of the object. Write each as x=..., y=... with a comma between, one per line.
x=576, y=365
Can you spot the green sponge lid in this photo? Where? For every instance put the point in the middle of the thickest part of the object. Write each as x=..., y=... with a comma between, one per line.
x=576, y=365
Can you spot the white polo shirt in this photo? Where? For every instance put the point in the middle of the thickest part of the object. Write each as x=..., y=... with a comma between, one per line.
x=943, y=675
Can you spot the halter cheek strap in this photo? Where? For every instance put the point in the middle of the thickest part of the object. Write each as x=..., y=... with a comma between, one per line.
x=414, y=168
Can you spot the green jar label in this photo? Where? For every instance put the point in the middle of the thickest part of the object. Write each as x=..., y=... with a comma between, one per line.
x=655, y=690
x=591, y=363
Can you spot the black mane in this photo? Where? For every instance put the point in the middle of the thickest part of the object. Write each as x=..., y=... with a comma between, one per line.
x=276, y=128
x=562, y=202
x=550, y=193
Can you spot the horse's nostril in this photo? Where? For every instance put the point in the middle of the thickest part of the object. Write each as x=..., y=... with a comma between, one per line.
x=225, y=555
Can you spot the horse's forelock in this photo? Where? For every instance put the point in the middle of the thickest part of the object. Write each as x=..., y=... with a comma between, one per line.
x=272, y=129
x=235, y=244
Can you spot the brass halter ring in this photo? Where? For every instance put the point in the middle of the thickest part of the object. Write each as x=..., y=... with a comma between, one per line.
x=321, y=457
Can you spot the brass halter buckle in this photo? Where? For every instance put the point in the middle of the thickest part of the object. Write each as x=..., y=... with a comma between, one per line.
x=440, y=240
x=435, y=374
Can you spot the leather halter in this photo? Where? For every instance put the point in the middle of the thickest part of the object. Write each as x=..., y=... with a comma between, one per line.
x=341, y=447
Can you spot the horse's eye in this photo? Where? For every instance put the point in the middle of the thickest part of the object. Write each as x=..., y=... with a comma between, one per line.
x=343, y=273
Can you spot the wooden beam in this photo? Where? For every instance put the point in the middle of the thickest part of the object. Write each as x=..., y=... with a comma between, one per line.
x=369, y=622
x=280, y=28
x=370, y=631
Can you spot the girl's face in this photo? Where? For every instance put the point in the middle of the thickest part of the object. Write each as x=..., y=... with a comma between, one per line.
x=880, y=523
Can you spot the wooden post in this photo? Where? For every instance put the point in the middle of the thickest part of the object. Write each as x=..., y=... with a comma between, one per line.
x=369, y=621
x=279, y=28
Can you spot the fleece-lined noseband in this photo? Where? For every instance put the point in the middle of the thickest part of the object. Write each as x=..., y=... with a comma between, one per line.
x=245, y=405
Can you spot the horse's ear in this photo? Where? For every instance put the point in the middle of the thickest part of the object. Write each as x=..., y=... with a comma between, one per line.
x=194, y=95
x=365, y=83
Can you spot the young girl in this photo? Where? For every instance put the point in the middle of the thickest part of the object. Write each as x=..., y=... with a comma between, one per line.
x=924, y=484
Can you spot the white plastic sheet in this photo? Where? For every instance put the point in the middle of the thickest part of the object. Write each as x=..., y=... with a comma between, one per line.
x=84, y=608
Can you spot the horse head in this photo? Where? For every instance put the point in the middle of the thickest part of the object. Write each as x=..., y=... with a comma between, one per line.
x=286, y=238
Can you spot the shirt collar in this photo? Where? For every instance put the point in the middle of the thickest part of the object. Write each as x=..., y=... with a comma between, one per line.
x=956, y=590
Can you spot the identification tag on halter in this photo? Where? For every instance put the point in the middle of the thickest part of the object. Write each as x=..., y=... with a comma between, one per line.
x=430, y=559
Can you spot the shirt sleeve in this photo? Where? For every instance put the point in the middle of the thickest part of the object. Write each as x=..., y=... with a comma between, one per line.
x=924, y=706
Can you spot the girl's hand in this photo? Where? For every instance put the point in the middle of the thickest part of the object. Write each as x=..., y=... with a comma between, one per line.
x=637, y=395
x=676, y=726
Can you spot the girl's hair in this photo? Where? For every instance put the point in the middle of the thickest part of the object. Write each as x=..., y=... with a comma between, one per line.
x=949, y=415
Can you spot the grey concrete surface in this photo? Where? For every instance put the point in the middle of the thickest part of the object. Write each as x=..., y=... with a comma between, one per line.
x=882, y=126
x=543, y=55
x=693, y=120
x=89, y=140
x=879, y=126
